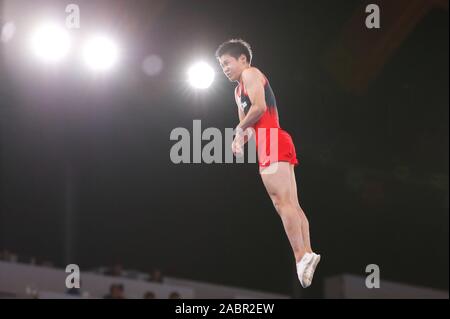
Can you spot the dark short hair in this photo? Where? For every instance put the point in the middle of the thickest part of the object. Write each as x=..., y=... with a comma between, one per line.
x=235, y=48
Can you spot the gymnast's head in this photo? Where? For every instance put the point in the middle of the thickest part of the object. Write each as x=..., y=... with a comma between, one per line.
x=234, y=57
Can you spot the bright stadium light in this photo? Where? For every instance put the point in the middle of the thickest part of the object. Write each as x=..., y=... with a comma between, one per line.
x=50, y=43
x=201, y=75
x=100, y=53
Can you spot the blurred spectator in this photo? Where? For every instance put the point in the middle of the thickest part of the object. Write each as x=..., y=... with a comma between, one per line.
x=174, y=295
x=156, y=276
x=116, y=291
x=73, y=291
x=149, y=295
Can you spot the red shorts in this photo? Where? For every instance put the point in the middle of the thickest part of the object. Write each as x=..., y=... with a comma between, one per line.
x=268, y=150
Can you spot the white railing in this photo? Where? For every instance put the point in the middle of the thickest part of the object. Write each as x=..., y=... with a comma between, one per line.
x=21, y=279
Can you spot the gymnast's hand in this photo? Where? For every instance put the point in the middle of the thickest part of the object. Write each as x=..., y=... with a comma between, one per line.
x=237, y=146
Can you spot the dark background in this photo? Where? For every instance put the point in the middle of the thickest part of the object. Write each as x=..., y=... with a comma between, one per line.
x=86, y=175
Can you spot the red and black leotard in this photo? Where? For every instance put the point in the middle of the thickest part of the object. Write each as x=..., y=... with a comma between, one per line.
x=269, y=120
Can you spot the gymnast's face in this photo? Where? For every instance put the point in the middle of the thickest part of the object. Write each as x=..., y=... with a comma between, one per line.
x=232, y=67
